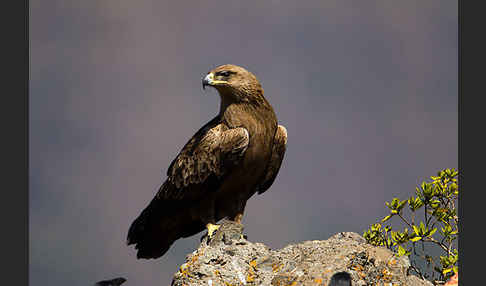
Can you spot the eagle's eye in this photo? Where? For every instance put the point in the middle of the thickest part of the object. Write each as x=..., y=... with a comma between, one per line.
x=224, y=73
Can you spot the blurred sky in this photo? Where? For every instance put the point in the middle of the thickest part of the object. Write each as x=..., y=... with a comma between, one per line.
x=366, y=89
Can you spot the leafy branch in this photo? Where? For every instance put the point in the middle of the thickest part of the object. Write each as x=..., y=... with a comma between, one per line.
x=438, y=199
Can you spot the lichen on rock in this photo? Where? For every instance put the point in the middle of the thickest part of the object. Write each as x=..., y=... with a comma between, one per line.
x=229, y=259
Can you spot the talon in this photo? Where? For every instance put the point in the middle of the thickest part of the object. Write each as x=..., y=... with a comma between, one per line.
x=211, y=229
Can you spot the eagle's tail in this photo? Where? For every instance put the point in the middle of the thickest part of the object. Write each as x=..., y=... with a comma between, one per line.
x=160, y=224
x=149, y=242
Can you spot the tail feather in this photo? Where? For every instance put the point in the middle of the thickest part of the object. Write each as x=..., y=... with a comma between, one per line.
x=160, y=224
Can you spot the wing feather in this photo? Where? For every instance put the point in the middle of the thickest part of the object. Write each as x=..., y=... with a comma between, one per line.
x=198, y=169
x=278, y=152
x=208, y=156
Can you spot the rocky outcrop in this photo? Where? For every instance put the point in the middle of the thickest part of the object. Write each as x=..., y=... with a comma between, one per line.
x=229, y=259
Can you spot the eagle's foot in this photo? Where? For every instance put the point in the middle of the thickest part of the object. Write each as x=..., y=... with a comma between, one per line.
x=237, y=218
x=211, y=229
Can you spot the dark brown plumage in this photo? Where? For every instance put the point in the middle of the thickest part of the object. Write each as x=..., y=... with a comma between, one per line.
x=233, y=156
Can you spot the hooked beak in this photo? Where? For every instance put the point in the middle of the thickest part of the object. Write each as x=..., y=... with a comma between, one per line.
x=207, y=80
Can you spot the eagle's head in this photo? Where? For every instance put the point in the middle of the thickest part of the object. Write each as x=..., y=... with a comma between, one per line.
x=234, y=82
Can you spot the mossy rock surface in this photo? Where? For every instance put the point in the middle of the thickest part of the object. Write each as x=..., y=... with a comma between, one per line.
x=229, y=259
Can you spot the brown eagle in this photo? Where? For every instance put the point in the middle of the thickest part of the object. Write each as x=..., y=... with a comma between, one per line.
x=232, y=157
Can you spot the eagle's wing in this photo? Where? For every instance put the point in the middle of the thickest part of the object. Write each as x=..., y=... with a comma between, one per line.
x=209, y=155
x=278, y=151
x=199, y=168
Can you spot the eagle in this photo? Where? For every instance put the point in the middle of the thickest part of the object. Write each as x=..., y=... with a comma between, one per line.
x=235, y=155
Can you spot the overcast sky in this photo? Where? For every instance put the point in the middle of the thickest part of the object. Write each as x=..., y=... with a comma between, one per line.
x=366, y=89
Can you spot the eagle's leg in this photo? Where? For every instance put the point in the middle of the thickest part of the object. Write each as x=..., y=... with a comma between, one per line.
x=207, y=215
x=211, y=229
x=237, y=218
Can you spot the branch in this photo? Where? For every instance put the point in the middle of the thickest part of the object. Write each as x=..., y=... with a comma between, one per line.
x=430, y=239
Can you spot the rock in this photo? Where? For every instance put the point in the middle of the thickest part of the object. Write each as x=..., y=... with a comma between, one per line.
x=229, y=259
x=453, y=281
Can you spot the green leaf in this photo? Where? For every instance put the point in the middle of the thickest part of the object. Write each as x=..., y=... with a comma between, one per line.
x=448, y=172
x=453, y=186
x=415, y=239
x=422, y=227
x=434, y=203
x=386, y=218
x=454, y=173
x=401, y=205
x=416, y=230
x=420, y=203
x=432, y=232
x=395, y=202
x=447, y=270
x=401, y=251
x=423, y=186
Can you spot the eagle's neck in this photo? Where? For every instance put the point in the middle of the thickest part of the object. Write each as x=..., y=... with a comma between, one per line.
x=225, y=103
x=248, y=114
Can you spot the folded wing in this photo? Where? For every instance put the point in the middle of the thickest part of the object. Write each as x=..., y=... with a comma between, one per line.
x=278, y=152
